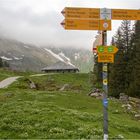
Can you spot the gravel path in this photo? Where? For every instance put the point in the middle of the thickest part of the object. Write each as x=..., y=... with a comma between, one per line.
x=5, y=83
x=42, y=74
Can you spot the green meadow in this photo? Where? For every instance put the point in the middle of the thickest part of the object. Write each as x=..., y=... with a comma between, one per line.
x=47, y=112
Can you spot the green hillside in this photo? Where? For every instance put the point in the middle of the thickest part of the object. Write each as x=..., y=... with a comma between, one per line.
x=47, y=112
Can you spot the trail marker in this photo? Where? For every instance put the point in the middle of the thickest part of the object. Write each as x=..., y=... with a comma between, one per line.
x=125, y=14
x=82, y=13
x=101, y=13
x=84, y=24
x=105, y=58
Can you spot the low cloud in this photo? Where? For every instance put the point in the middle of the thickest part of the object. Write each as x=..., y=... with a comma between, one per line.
x=38, y=22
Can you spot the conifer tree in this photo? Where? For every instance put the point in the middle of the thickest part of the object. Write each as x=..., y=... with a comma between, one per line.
x=118, y=70
x=134, y=86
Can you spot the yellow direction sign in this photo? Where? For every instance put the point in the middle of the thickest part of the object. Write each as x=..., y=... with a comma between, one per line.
x=107, y=49
x=125, y=14
x=75, y=12
x=83, y=24
x=106, y=58
x=103, y=13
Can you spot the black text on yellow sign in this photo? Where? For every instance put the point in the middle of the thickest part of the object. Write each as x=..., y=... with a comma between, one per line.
x=82, y=13
x=125, y=14
x=106, y=58
x=84, y=24
x=95, y=13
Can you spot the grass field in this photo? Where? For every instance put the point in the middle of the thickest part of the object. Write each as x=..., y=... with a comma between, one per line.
x=50, y=113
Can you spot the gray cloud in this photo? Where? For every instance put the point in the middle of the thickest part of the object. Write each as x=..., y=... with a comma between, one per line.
x=38, y=22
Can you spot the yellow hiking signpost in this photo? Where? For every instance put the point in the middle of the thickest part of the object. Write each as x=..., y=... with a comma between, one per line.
x=84, y=24
x=84, y=19
x=82, y=13
x=99, y=19
x=106, y=54
x=106, y=58
x=101, y=13
x=125, y=14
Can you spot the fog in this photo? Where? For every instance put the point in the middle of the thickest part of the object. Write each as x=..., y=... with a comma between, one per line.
x=38, y=21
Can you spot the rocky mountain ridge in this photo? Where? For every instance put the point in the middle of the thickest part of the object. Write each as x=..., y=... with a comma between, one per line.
x=27, y=57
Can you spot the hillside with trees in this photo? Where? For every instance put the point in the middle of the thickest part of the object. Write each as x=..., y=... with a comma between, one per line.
x=124, y=73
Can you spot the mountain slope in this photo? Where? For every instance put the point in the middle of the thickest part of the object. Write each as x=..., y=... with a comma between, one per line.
x=82, y=58
x=24, y=57
x=27, y=57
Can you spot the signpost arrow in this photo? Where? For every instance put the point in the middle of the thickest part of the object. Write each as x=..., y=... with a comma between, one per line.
x=84, y=24
x=103, y=13
x=63, y=23
x=125, y=14
x=88, y=13
x=63, y=12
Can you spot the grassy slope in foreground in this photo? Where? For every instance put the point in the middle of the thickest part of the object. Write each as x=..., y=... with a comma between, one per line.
x=50, y=113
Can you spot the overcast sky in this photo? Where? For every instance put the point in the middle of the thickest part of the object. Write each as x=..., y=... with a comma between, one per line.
x=38, y=21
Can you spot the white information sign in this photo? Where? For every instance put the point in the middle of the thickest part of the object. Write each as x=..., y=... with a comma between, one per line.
x=105, y=13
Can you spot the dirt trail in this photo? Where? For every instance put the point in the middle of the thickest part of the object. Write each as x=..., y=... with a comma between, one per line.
x=6, y=82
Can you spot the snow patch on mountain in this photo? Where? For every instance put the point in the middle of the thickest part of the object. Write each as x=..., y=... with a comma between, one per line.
x=55, y=55
x=25, y=46
x=16, y=58
x=6, y=58
x=61, y=57
x=66, y=59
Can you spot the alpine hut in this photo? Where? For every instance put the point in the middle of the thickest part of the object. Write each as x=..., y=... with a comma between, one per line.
x=61, y=67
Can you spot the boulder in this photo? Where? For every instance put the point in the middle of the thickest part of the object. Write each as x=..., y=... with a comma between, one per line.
x=137, y=116
x=64, y=87
x=96, y=93
x=32, y=85
x=135, y=102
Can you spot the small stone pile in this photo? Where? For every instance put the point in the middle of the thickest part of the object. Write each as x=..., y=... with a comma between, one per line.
x=124, y=97
x=65, y=87
x=131, y=105
x=31, y=84
x=96, y=93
